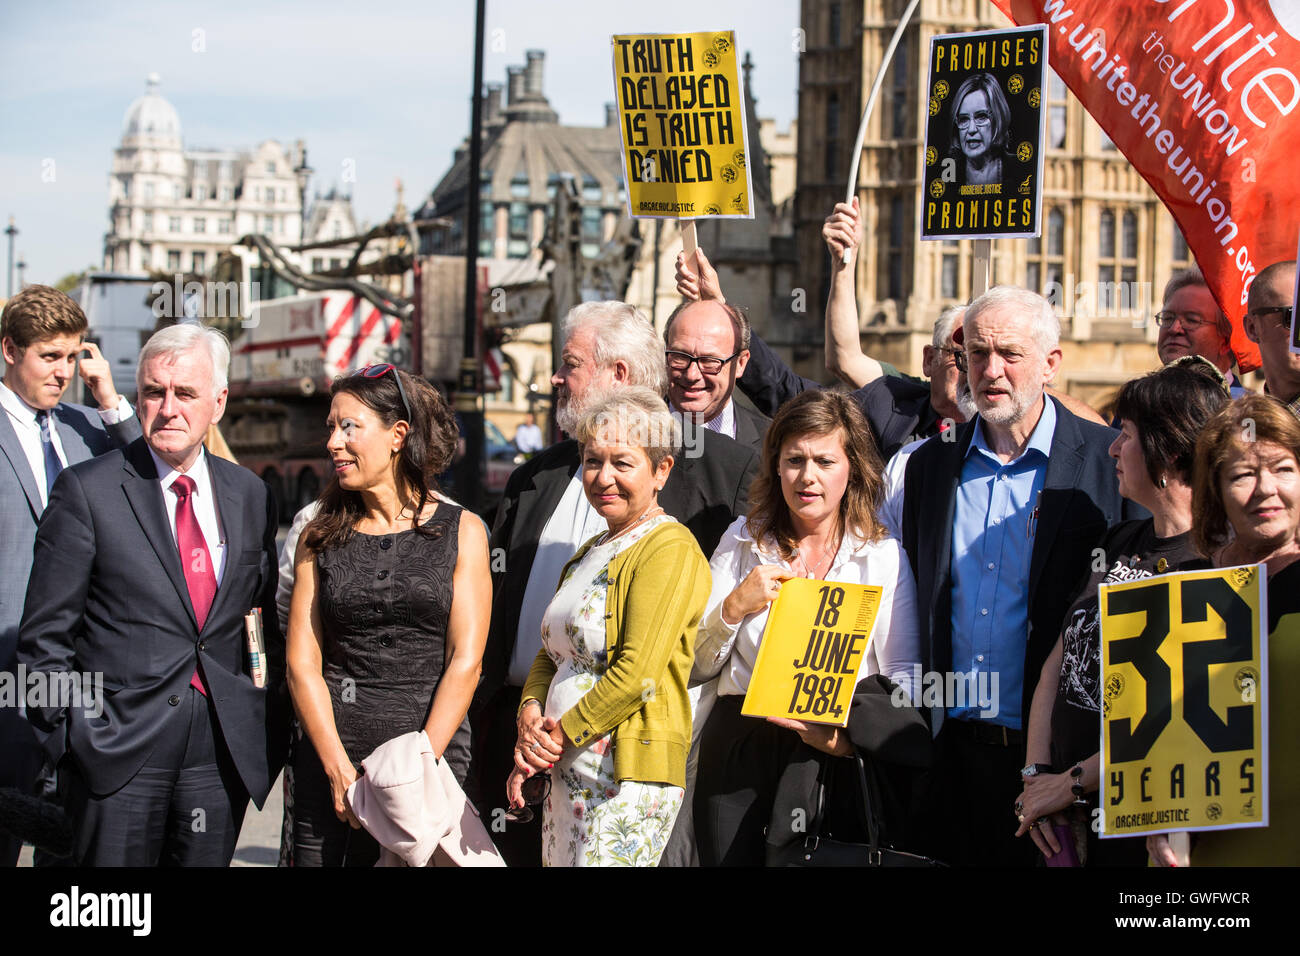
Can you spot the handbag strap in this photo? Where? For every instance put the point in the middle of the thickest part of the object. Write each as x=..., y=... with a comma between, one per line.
x=864, y=785
x=873, y=831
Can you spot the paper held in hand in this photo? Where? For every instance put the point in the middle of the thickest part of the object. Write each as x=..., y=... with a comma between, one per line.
x=256, y=646
x=812, y=650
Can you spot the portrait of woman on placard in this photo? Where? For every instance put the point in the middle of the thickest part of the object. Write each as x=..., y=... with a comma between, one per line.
x=981, y=131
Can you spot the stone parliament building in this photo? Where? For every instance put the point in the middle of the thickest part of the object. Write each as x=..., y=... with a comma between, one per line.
x=1105, y=234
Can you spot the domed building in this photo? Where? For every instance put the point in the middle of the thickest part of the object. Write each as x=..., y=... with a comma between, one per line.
x=174, y=210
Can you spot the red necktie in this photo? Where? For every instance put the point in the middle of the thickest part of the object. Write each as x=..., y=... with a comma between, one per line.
x=200, y=576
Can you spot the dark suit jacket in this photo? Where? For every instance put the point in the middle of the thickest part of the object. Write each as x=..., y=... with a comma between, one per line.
x=897, y=407
x=1080, y=501
x=83, y=436
x=705, y=492
x=751, y=426
x=107, y=594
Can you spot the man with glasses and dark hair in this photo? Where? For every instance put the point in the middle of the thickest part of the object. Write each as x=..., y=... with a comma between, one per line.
x=707, y=349
x=1269, y=306
x=1191, y=323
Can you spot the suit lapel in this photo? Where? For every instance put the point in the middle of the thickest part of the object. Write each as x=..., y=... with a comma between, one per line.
x=1063, y=466
x=146, y=500
x=538, y=501
x=12, y=450
x=74, y=445
x=230, y=519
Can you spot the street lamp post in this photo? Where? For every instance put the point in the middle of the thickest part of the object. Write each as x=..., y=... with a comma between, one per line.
x=11, y=232
x=22, y=267
x=469, y=386
x=303, y=172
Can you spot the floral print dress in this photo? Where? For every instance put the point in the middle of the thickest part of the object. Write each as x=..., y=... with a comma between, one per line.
x=591, y=819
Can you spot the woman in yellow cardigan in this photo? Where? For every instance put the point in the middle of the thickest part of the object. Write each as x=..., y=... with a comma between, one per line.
x=605, y=714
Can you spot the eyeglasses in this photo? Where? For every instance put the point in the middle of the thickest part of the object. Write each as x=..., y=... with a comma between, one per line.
x=981, y=118
x=958, y=356
x=709, y=364
x=379, y=371
x=1188, y=320
x=535, y=790
x=1283, y=312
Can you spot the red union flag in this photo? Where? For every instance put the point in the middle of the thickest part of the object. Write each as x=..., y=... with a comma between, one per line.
x=1200, y=96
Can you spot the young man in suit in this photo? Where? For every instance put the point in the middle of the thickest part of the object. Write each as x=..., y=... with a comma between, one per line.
x=146, y=562
x=707, y=348
x=41, y=332
x=999, y=525
x=544, y=517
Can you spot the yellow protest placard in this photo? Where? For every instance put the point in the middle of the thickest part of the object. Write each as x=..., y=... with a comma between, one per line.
x=1184, y=711
x=682, y=115
x=812, y=649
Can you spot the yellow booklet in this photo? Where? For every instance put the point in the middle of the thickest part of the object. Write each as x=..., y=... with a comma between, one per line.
x=813, y=646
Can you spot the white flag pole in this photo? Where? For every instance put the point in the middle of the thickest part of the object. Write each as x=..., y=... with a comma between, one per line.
x=871, y=101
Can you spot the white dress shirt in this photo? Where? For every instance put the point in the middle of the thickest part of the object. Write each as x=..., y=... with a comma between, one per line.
x=204, y=503
x=732, y=650
x=572, y=523
x=28, y=427
x=724, y=423
x=891, y=508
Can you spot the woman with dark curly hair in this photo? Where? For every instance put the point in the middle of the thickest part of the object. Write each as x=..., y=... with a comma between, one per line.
x=812, y=514
x=390, y=605
x=1161, y=415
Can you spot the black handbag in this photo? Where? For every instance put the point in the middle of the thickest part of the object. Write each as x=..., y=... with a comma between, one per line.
x=818, y=850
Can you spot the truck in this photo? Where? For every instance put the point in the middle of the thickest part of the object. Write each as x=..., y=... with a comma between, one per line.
x=284, y=360
x=282, y=363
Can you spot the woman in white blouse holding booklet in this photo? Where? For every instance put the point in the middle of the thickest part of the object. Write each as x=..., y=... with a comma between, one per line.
x=812, y=514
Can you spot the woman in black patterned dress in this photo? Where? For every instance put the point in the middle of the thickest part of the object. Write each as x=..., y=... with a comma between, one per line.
x=390, y=605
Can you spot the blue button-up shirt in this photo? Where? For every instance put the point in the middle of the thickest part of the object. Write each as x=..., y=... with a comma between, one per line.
x=993, y=530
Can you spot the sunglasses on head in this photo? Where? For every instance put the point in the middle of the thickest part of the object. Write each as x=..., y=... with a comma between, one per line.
x=378, y=371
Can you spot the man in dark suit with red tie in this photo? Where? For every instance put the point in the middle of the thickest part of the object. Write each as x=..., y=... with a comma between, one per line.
x=146, y=562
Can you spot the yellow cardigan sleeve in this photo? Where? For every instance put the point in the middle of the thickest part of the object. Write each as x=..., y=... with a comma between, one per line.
x=539, y=679
x=666, y=593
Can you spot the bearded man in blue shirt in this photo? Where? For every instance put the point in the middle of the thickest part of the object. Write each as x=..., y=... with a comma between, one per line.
x=1000, y=518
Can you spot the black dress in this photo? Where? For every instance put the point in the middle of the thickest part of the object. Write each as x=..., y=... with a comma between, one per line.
x=1131, y=551
x=384, y=605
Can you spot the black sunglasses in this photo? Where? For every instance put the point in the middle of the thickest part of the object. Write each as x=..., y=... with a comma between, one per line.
x=535, y=790
x=1283, y=313
x=378, y=371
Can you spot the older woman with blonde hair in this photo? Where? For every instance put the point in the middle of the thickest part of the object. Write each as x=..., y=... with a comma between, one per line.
x=605, y=720
x=1246, y=510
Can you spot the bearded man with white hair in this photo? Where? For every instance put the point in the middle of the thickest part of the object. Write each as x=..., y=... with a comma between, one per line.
x=544, y=517
x=999, y=526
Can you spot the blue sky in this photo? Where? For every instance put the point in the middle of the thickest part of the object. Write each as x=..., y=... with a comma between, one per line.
x=385, y=85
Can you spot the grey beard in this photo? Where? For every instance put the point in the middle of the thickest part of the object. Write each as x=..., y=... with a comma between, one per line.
x=966, y=403
x=568, y=417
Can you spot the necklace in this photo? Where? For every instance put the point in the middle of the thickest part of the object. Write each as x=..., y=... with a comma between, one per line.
x=828, y=553
x=646, y=515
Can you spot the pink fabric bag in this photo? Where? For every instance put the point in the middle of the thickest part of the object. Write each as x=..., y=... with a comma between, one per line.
x=410, y=802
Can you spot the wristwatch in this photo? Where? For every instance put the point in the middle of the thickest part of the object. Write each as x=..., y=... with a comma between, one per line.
x=1034, y=769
